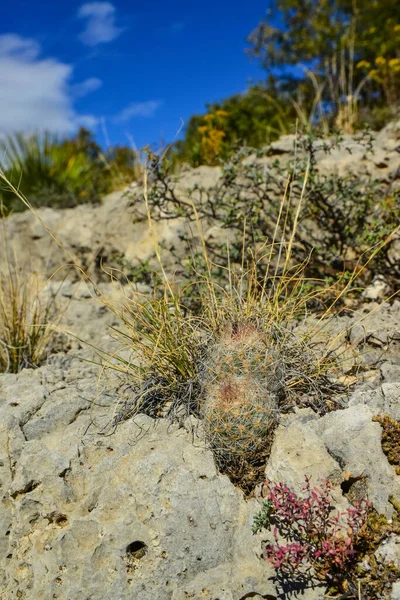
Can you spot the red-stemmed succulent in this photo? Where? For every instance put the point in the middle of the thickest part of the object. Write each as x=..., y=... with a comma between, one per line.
x=315, y=536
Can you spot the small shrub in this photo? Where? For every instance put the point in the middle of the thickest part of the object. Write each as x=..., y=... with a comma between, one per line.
x=141, y=272
x=337, y=549
x=343, y=220
x=316, y=538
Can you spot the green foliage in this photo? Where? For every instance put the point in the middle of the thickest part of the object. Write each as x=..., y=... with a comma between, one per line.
x=60, y=172
x=311, y=30
x=308, y=30
x=331, y=39
x=47, y=171
x=254, y=118
x=142, y=272
x=263, y=518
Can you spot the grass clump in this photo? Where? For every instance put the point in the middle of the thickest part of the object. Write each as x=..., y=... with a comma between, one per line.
x=25, y=322
x=168, y=344
x=226, y=354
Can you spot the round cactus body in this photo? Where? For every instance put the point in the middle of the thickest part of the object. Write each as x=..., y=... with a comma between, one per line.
x=240, y=399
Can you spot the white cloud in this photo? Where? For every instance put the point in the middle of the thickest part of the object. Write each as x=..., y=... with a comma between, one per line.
x=35, y=93
x=100, y=26
x=86, y=87
x=138, y=109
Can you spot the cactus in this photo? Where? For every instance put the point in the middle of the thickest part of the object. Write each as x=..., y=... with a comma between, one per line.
x=239, y=405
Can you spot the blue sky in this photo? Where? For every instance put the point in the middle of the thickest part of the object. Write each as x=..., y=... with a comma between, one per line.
x=128, y=70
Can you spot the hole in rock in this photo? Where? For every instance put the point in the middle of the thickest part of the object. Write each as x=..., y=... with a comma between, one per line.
x=134, y=552
x=354, y=488
x=256, y=595
x=62, y=521
x=136, y=549
x=59, y=519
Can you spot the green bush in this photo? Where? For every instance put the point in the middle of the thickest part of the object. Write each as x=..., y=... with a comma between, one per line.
x=255, y=118
x=61, y=173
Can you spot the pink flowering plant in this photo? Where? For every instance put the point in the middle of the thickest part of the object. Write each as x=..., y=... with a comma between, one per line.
x=316, y=538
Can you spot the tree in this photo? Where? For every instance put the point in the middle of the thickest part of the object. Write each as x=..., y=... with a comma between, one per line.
x=332, y=37
x=313, y=31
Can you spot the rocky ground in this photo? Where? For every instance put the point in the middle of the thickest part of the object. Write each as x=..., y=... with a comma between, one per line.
x=140, y=511
x=95, y=235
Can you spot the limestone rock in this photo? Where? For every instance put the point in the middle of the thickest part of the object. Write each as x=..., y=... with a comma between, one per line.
x=396, y=591
x=142, y=513
x=298, y=451
x=354, y=440
x=389, y=551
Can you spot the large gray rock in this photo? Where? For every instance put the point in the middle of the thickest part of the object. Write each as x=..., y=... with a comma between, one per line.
x=396, y=591
x=375, y=331
x=141, y=513
x=354, y=440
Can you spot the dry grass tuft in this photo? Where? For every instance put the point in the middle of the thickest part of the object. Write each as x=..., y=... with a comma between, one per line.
x=25, y=322
x=228, y=353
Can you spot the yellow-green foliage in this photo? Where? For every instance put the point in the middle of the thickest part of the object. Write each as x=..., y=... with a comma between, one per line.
x=212, y=136
x=390, y=439
x=376, y=578
x=254, y=118
x=50, y=171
